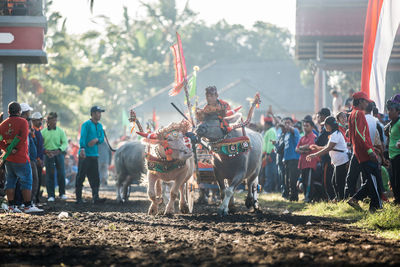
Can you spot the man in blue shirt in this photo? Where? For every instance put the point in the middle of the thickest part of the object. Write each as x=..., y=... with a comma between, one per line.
x=291, y=158
x=92, y=134
x=37, y=119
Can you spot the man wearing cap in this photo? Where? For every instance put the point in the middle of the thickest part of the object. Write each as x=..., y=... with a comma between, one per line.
x=37, y=126
x=26, y=113
x=25, y=110
x=55, y=144
x=212, y=98
x=271, y=171
x=32, y=148
x=327, y=168
x=92, y=134
x=364, y=152
x=393, y=132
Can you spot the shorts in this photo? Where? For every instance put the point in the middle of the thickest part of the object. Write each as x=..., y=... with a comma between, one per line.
x=21, y=171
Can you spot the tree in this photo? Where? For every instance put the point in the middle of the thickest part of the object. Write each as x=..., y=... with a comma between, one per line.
x=128, y=61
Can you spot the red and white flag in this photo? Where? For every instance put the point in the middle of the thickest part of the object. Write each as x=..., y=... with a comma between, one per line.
x=381, y=24
x=180, y=67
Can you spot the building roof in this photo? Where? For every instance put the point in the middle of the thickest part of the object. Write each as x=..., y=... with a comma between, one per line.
x=338, y=27
x=330, y=18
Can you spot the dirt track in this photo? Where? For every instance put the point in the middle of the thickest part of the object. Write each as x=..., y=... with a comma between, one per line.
x=124, y=235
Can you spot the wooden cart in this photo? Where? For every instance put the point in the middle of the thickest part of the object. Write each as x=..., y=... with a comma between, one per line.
x=206, y=179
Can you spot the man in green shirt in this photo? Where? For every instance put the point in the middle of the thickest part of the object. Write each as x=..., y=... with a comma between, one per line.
x=55, y=144
x=271, y=171
x=393, y=131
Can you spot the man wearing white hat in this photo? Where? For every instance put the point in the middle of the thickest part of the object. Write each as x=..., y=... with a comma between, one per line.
x=37, y=119
x=25, y=110
x=37, y=116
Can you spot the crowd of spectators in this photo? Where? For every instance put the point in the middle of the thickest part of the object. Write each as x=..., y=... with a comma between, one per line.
x=345, y=155
x=37, y=155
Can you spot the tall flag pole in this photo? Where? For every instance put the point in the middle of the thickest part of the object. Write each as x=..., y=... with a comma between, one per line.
x=181, y=81
x=381, y=24
x=181, y=75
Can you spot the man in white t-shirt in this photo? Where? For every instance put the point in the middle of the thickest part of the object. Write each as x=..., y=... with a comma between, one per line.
x=373, y=124
x=337, y=149
x=338, y=154
x=372, y=121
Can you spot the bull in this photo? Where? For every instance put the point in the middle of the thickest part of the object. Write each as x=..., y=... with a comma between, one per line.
x=237, y=155
x=169, y=158
x=129, y=166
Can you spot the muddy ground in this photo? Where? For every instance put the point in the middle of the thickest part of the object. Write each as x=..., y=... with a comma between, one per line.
x=113, y=234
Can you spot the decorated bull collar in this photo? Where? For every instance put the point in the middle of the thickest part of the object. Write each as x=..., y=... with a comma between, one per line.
x=232, y=147
x=156, y=165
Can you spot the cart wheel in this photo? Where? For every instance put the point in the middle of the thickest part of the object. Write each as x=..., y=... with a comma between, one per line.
x=190, y=194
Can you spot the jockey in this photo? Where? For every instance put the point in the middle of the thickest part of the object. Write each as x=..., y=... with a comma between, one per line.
x=212, y=99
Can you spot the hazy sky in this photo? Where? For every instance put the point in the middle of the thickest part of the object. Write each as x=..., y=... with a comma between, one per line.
x=246, y=12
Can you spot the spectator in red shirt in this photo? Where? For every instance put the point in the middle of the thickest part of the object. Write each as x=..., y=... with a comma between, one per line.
x=73, y=149
x=17, y=164
x=307, y=167
x=364, y=152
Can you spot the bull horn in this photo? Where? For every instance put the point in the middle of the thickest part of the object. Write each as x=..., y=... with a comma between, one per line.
x=231, y=112
x=255, y=103
x=148, y=135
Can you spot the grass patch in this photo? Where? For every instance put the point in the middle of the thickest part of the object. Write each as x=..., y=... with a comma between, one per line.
x=340, y=210
x=274, y=201
x=391, y=234
x=385, y=222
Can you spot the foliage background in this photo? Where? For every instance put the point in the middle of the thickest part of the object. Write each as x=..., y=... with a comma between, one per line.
x=131, y=60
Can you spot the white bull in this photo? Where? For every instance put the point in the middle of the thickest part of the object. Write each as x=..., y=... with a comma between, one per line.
x=171, y=160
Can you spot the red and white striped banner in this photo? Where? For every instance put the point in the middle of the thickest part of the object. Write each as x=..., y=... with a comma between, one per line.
x=180, y=67
x=382, y=21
